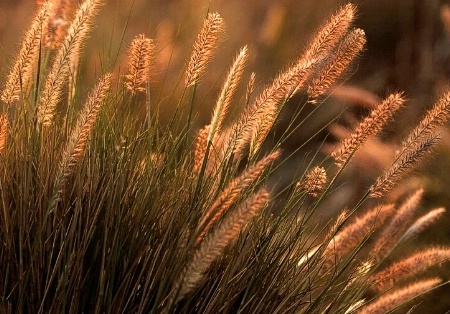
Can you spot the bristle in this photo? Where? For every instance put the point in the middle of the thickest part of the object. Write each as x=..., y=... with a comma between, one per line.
x=204, y=48
x=226, y=95
x=424, y=222
x=397, y=226
x=337, y=63
x=23, y=70
x=314, y=181
x=140, y=56
x=74, y=150
x=250, y=87
x=200, y=148
x=434, y=118
x=371, y=125
x=404, y=163
x=351, y=235
x=60, y=69
x=233, y=192
x=4, y=125
x=409, y=267
x=419, y=142
x=222, y=236
x=258, y=119
x=396, y=297
x=331, y=33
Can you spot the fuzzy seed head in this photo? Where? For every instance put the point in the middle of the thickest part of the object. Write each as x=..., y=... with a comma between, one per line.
x=371, y=125
x=140, y=56
x=226, y=95
x=408, y=267
x=212, y=247
x=204, y=48
x=396, y=297
x=314, y=181
x=331, y=33
x=3, y=131
x=234, y=191
x=75, y=148
x=69, y=51
x=22, y=72
x=200, y=148
x=337, y=63
x=397, y=225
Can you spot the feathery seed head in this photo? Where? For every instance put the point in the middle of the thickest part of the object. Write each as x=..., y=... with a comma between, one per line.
x=371, y=125
x=200, y=148
x=204, y=48
x=140, y=55
x=354, y=232
x=212, y=247
x=434, y=117
x=314, y=181
x=234, y=191
x=336, y=63
x=424, y=222
x=3, y=131
x=257, y=120
x=69, y=50
x=393, y=298
x=228, y=89
x=408, y=267
x=407, y=159
x=22, y=72
x=331, y=33
x=419, y=143
x=74, y=150
x=250, y=87
x=397, y=226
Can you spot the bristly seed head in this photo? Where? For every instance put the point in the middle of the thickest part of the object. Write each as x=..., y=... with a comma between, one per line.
x=314, y=181
x=21, y=74
x=140, y=56
x=204, y=48
x=3, y=131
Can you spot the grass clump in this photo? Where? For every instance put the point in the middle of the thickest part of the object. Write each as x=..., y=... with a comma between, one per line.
x=104, y=210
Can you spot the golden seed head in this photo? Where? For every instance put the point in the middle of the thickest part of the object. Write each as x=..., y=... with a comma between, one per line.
x=314, y=181
x=204, y=48
x=3, y=131
x=140, y=55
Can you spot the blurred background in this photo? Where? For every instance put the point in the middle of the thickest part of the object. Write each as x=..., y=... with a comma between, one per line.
x=408, y=49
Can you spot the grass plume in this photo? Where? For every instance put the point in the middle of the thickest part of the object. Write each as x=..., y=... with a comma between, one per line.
x=348, y=49
x=22, y=72
x=60, y=69
x=371, y=125
x=3, y=131
x=75, y=147
x=399, y=296
x=213, y=246
x=140, y=59
x=204, y=48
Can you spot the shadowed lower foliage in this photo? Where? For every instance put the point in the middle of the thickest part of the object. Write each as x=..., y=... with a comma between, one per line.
x=104, y=210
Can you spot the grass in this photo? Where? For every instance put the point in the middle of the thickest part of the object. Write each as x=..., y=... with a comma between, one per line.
x=104, y=209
